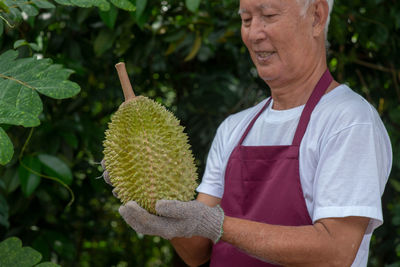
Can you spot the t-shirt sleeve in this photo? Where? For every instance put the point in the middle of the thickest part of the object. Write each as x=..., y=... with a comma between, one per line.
x=352, y=172
x=213, y=178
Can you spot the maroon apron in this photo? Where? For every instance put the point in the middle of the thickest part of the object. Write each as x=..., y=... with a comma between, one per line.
x=262, y=184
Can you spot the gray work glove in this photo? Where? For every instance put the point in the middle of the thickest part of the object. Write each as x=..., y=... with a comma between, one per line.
x=177, y=219
x=106, y=177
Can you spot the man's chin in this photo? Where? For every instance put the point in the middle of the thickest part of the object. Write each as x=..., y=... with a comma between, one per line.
x=266, y=75
x=267, y=78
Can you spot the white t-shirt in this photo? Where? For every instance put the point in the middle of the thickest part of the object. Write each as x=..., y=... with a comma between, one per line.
x=345, y=156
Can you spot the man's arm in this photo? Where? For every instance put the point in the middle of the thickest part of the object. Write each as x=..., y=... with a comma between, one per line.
x=196, y=250
x=329, y=242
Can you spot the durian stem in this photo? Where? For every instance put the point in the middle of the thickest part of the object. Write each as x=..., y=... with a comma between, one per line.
x=125, y=83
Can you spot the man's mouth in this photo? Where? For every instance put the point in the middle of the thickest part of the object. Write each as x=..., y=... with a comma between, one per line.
x=263, y=55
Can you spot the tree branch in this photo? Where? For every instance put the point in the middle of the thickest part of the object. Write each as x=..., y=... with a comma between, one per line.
x=371, y=65
x=395, y=82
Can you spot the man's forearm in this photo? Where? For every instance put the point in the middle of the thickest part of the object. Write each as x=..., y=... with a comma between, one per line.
x=196, y=250
x=313, y=245
x=193, y=251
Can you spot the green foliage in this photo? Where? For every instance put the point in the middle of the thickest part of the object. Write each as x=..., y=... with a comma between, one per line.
x=4, y=211
x=124, y=4
x=31, y=167
x=103, y=5
x=185, y=54
x=29, y=180
x=54, y=166
x=22, y=80
x=13, y=254
x=12, y=11
x=192, y=5
x=6, y=146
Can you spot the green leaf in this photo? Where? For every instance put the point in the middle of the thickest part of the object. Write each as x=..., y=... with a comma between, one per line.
x=394, y=113
x=4, y=7
x=70, y=138
x=34, y=46
x=61, y=244
x=53, y=166
x=83, y=3
x=1, y=27
x=43, y=4
x=192, y=5
x=102, y=4
x=40, y=243
x=13, y=254
x=20, y=43
x=47, y=264
x=16, y=7
x=15, y=14
x=395, y=184
x=29, y=180
x=11, y=115
x=142, y=20
x=109, y=17
x=195, y=48
x=124, y=4
x=11, y=180
x=28, y=9
x=396, y=264
x=396, y=220
x=22, y=80
x=6, y=148
x=4, y=212
x=104, y=41
x=64, y=2
x=140, y=7
x=65, y=89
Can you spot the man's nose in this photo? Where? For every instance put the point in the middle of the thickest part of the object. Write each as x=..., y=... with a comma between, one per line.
x=257, y=31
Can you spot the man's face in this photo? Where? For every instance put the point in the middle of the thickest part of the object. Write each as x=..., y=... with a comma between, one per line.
x=278, y=37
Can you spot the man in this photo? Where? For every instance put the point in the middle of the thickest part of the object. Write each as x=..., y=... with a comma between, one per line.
x=295, y=180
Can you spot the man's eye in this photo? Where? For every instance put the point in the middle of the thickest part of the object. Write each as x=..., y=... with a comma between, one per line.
x=269, y=16
x=246, y=21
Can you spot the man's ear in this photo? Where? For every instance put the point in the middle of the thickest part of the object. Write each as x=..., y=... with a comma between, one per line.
x=320, y=13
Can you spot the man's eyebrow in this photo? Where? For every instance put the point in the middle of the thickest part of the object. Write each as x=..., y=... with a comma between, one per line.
x=265, y=6
x=242, y=10
x=262, y=6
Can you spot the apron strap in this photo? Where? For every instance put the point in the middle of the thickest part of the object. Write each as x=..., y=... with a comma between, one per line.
x=253, y=121
x=316, y=95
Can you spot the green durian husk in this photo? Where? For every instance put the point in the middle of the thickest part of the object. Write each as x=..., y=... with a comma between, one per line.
x=147, y=155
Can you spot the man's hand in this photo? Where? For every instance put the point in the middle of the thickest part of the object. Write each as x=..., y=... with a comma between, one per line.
x=106, y=178
x=178, y=219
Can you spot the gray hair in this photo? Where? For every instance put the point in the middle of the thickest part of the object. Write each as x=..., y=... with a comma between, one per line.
x=306, y=4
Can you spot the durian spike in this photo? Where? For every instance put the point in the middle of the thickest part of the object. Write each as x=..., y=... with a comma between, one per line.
x=125, y=83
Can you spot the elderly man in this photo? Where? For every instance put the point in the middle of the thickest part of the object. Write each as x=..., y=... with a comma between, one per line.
x=295, y=180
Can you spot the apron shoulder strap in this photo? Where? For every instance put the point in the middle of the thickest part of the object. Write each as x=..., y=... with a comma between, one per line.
x=316, y=95
x=253, y=121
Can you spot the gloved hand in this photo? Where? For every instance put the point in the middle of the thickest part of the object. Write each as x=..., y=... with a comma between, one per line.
x=106, y=177
x=178, y=219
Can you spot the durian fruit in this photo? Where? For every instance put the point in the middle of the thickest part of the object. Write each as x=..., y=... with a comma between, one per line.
x=146, y=152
